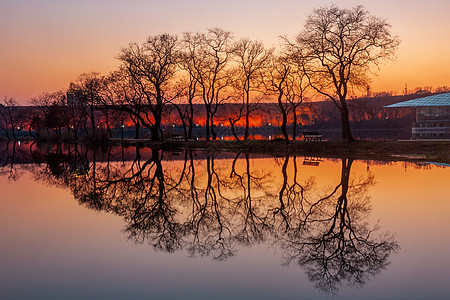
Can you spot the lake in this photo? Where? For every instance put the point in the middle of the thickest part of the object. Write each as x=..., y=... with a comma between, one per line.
x=113, y=222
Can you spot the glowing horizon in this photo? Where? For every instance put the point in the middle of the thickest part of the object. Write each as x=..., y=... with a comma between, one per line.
x=49, y=43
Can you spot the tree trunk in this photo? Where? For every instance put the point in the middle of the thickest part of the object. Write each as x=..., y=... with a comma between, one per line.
x=284, y=114
x=30, y=132
x=108, y=126
x=284, y=127
x=155, y=133
x=233, y=129
x=191, y=119
x=85, y=128
x=213, y=133
x=247, y=117
x=137, y=127
x=207, y=124
x=156, y=127
x=294, y=129
x=346, y=131
x=183, y=121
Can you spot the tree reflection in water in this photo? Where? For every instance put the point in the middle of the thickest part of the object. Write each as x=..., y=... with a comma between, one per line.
x=210, y=207
x=335, y=243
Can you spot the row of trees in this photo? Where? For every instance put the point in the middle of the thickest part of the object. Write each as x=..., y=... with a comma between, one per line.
x=331, y=56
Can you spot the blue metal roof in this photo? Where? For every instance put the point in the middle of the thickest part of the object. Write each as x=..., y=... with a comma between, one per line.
x=435, y=100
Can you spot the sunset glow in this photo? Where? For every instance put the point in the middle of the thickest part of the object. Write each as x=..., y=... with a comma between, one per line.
x=47, y=44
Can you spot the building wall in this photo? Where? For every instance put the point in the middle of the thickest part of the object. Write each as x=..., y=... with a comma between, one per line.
x=432, y=123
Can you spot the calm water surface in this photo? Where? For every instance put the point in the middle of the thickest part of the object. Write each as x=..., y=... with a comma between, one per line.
x=143, y=223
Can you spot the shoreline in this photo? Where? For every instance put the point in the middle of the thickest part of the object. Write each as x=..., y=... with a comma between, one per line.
x=406, y=150
x=419, y=151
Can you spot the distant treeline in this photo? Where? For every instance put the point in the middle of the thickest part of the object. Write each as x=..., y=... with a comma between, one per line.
x=55, y=123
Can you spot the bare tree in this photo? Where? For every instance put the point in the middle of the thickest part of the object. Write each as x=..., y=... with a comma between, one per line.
x=277, y=82
x=86, y=95
x=339, y=48
x=9, y=116
x=151, y=67
x=52, y=108
x=252, y=59
x=190, y=91
x=111, y=115
x=76, y=112
x=123, y=95
x=207, y=56
x=298, y=91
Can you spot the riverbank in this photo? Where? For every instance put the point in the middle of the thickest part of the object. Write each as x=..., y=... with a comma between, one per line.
x=408, y=150
x=436, y=151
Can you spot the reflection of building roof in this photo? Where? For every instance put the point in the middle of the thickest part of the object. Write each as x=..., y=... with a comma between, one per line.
x=435, y=100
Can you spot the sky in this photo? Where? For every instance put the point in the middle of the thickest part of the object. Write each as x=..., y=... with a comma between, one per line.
x=46, y=44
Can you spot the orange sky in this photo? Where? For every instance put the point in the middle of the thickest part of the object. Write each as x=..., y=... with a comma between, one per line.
x=48, y=43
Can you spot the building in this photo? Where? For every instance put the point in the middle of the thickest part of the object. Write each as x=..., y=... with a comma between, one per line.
x=432, y=116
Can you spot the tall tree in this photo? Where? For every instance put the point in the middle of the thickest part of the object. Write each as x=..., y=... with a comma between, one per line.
x=122, y=95
x=151, y=67
x=277, y=83
x=86, y=95
x=252, y=59
x=296, y=87
x=339, y=48
x=207, y=56
x=76, y=112
x=190, y=85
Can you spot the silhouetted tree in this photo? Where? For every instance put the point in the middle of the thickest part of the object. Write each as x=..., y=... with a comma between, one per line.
x=206, y=56
x=277, y=82
x=86, y=92
x=51, y=107
x=56, y=119
x=190, y=92
x=296, y=86
x=9, y=116
x=122, y=95
x=253, y=60
x=75, y=113
x=150, y=68
x=338, y=48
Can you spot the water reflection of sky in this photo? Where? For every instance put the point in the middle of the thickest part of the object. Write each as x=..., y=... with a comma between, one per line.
x=53, y=247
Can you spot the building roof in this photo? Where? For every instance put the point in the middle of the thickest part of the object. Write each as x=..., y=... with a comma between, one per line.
x=435, y=100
